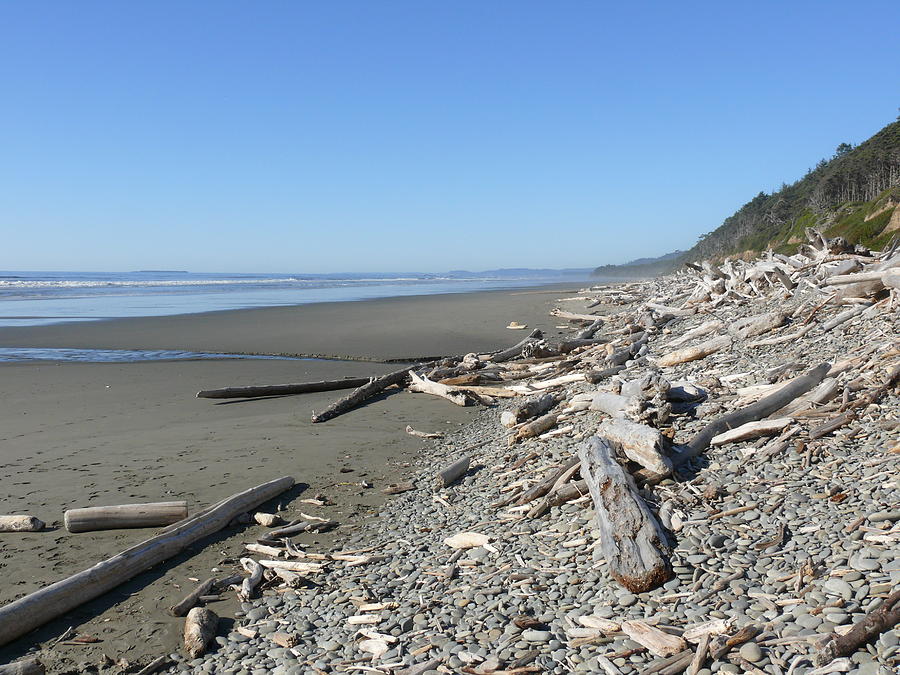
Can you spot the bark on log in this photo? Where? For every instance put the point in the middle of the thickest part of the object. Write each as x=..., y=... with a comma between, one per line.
x=124, y=516
x=35, y=609
x=883, y=618
x=360, y=394
x=699, y=351
x=191, y=600
x=20, y=524
x=630, y=537
x=199, y=629
x=756, y=411
x=638, y=442
x=23, y=667
x=453, y=472
x=283, y=389
x=757, y=325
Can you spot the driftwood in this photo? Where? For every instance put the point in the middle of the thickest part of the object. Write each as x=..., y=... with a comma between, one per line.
x=571, y=316
x=154, y=666
x=124, y=516
x=283, y=389
x=249, y=584
x=452, y=473
x=844, y=317
x=199, y=629
x=20, y=524
x=544, y=486
x=23, y=667
x=267, y=519
x=655, y=640
x=638, y=442
x=757, y=325
x=516, y=349
x=589, y=331
x=27, y=613
x=617, y=405
x=360, y=394
x=596, y=376
x=191, y=600
x=699, y=351
x=425, y=386
x=631, y=539
x=535, y=428
x=756, y=411
x=533, y=407
x=296, y=527
x=883, y=618
x=751, y=430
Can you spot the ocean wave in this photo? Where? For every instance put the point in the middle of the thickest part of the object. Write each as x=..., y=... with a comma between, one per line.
x=153, y=283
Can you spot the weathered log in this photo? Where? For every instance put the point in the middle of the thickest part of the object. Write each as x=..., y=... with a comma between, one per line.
x=596, y=376
x=826, y=391
x=296, y=527
x=123, y=516
x=756, y=411
x=27, y=613
x=24, y=667
x=360, y=394
x=249, y=584
x=891, y=278
x=516, y=349
x=882, y=618
x=699, y=351
x=532, y=407
x=655, y=640
x=426, y=386
x=638, y=442
x=617, y=405
x=844, y=279
x=589, y=331
x=572, y=316
x=283, y=389
x=452, y=473
x=757, y=325
x=535, y=428
x=751, y=430
x=544, y=486
x=20, y=524
x=192, y=598
x=700, y=331
x=843, y=317
x=199, y=629
x=631, y=539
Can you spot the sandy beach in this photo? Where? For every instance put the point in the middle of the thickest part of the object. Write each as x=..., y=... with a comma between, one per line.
x=82, y=434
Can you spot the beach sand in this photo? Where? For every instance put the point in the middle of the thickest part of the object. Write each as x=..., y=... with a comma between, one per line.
x=78, y=434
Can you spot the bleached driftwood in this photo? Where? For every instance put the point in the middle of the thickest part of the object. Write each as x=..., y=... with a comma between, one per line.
x=268, y=519
x=843, y=317
x=655, y=640
x=756, y=411
x=617, y=405
x=703, y=329
x=533, y=407
x=588, y=332
x=28, y=666
x=827, y=390
x=638, y=442
x=751, y=430
x=545, y=485
x=535, y=428
x=425, y=386
x=631, y=539
x=20, y=524
x=757, y=325
x=199, y=629
x=514, y=351
x=123, y=516
x=422, y=434
x=360, y=394
x=572, y=316
x=35, y=609
x=249, y=584
x=699, y=351
x=283, y=389
x=192, y=598
x=452, y=473
x=891, y=278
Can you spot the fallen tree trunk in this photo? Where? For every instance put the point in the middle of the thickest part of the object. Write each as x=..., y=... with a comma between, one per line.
x=535, y=428
x=532, y=407
x=756, y=411
x=588, y=332
x=191, y=600
x=883, y=618
x=20, y=524
x=516, y=349
x=23, y=667
x=360, y=394
x=199, y=629
x=425, y=386
x=283, y=389
x=699, y=351
x=631, y=539
x=757, y=325
x=124, y=516
x=35, y=609
x=638, y=442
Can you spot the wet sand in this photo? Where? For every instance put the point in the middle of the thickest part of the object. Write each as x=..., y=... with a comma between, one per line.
x=77, y=434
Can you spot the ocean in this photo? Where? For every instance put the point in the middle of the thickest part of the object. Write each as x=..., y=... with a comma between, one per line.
x=41, y=298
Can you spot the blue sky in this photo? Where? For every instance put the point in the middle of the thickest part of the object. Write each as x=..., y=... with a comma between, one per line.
x=377, y=136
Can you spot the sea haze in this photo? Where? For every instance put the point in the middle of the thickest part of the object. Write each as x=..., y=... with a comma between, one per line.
x=38, y=298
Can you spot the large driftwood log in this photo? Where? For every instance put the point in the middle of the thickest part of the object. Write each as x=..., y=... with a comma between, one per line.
x=199, y=629
x=617, y=405
x=283, y=389
x=27, y=613
x=360, y=394
x=630, y=537
x=23, y=667
x=884, y=617
x=891, y=278
x=516, y=349
x=425, y=386
x=757, y=325
x=756, y=411
x=20, y=524
x=533, y=407
x=123, y=516
x=572, y=316
x=638, y=442
x=699, y=351
x=589, y=331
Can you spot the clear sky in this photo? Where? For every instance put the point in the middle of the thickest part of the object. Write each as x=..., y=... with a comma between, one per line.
x=383, y=135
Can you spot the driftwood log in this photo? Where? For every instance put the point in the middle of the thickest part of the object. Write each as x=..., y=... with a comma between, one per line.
x=124, y=516
x=35, y=609
x=425, y=386
x=533, y=407
x=756, y=411
x=631, y=539
x=535, y=428
x=452, y=473
x=283, y=389
x=190, y=601
x=20, y=524
x=199, y=629
x=360, y=394
x=23, y=667
x=514, y=351
x=638, y=442
x=699, y=351
x=883, y=618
